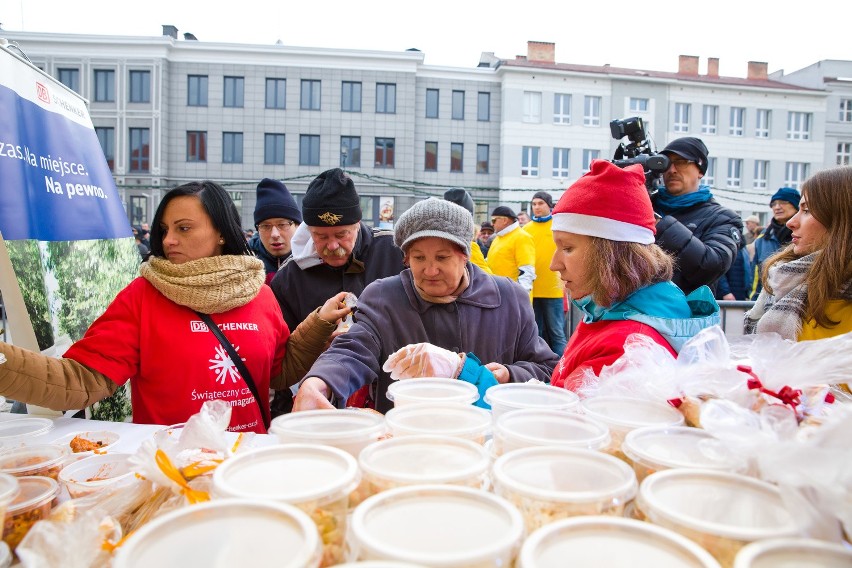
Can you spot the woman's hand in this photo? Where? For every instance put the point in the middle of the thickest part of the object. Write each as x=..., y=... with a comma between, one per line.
x=334, y=309
x=500, y=372
x=423, y=360
x=312, y=395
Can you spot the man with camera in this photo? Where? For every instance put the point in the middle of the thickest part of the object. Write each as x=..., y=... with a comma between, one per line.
x=701, y=234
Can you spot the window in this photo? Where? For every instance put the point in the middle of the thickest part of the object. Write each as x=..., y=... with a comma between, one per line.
x=138, y=209
x=795, y=173
x=350, y=97
x=737, y=121
x=710, y=176
x=350, y=151
x=483, y=107
x=844, y=153
x=140, y=139
x=845, y=110
x=104, y=86
x=560, y=162
x=232, y=147
x=532, y=107
x=140, y=86
x=196, y=90
x=458, y=105
x=234, y=87
x=276, y=93
x=311, y=94
x=106, y=138
x=309, y=150
x=432, y=103
x=735, y=172
x=588, y=156
x=709, y=119
x=561, y=109
x=385, y=98
x=592, y=111
x=761, y=126
x=70, y=78
x=681, y=117
x=273, y=149
x=529, y=161
x=431, y=159
x=384, y=153
x=482, y=151
x=196, y=146
x=761, y=174
x=638, y=105
x=456, y=157
x=798, y=125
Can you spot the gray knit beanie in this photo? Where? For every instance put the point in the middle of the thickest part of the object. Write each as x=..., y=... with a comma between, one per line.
x=435, y=218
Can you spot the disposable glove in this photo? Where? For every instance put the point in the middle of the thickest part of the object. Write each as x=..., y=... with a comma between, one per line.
x=422, y=360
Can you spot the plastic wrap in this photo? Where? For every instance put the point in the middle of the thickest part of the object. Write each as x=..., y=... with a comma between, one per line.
x=78, y=544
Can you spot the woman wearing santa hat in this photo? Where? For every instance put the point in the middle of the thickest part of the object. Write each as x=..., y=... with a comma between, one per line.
x=604, y=228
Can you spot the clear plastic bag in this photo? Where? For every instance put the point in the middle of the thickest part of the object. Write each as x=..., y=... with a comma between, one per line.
x=77, y=544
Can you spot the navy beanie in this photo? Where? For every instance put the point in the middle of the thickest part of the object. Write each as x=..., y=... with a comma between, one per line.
x=331, y=200
x=787, y=194
x=461, y=197
x=274, y=201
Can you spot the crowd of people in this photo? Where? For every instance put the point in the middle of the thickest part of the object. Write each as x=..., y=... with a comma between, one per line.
x=325, y=311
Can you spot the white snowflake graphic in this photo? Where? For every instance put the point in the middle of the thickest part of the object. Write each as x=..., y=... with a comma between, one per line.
x=224, y=366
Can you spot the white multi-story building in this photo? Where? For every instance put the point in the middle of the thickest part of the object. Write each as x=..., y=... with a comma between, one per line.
x=169, y=110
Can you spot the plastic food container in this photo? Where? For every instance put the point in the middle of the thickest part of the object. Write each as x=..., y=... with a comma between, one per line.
x=621, y=415
x=590, y=542
x=436, y=391
x=513, y=396
x=380, y=564
x=653, y=449
x=350, y=430
x=32, y=503
x=532, y=427
x=229, y=532
x=316, y=479
x=412, y=460
x=794, y=553
x=437, y=525
x=22, y=431
x=9, y=489
x=720, y=511
x=551, y=483
x=460, y=421
x=92, y=442
x=46, y=460
x=95, y=473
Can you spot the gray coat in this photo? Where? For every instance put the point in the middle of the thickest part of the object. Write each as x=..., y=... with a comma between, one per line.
x=493, y=319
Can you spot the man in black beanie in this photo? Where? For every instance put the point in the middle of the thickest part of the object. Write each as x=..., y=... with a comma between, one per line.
x=460, y=196
x=276, y=218
x=333, y=251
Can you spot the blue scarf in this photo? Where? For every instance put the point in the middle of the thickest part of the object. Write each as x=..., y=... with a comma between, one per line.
x=542, y=219
x=668, y=203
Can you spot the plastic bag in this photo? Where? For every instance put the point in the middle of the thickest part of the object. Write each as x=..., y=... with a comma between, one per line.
x=351, y=300
x=77, y=544
x=422, y=360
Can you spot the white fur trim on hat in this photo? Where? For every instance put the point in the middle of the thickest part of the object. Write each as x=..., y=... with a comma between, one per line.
x=602, y=227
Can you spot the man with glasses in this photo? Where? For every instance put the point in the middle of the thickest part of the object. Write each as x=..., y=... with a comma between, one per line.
x=276, y=218
x=512, y=252
x=702, y=235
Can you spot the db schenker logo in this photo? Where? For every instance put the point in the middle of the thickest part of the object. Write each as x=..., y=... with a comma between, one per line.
x=43, y=94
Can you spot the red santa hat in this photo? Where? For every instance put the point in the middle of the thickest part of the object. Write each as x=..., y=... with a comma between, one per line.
x=608, y=202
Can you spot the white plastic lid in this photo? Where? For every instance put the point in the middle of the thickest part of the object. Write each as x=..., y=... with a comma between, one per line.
x=511, y=396
x=35, y=490
x=8, y=488
x=97, y=470
x=565, y=475
x=104, y=439
x=424, y=459
x=230, y=532
x=290, y=473
x=590, y=542
x=631, y=413
x=24, y=428
x=20, y=461
x=438, y=525
x=432, y=390
x=328, y=426
x=534, y=427
x=463, y=421
x=723, y=504
x=679, y=446
x=793, y=553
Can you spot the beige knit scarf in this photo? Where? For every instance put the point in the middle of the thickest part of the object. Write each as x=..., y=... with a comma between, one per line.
x=449, y=299
x=211, y=285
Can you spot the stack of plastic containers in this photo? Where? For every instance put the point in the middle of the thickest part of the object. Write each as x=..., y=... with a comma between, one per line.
x=531, y=427
x=350, y=430
x=436, y=391
x=455, y=420
x=514, y=396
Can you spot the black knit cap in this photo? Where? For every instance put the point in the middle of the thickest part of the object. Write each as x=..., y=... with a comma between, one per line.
x=503, y=211
x=544, y=196
x=691, y=149
x=460, y=197
x=331, y=200
x=274, y=201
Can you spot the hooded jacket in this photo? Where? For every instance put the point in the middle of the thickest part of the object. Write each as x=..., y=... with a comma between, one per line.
x=270, y=263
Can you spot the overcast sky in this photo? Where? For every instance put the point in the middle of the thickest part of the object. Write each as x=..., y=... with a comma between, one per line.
x=642, y=35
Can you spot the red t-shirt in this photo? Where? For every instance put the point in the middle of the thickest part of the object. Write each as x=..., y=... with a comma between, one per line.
x=174, y=363
x=594, y=345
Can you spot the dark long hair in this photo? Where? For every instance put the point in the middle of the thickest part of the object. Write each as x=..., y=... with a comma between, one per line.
x=219, y=207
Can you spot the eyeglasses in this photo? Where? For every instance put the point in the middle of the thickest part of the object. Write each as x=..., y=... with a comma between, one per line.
x=680, y=162
x=267, y=227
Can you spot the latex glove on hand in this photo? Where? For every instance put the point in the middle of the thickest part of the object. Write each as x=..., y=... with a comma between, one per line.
x=423, y=360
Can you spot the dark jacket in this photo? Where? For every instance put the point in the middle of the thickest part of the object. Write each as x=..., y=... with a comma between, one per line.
x=704, y=239
x=737, y=280
x=770, y=240
x=270, y=263
x=493, y=319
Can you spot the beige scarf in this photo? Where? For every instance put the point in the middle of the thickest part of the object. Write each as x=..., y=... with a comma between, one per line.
x=465, y=282
x=211, y=285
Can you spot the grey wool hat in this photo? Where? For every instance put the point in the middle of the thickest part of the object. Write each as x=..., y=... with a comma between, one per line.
x=434, y=218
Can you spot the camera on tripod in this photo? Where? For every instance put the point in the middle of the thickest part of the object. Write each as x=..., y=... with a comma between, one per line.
x=638, y=151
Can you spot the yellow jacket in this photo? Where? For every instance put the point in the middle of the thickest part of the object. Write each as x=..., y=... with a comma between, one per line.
x=836, y=310
x=477, y=258
x=547, y=283
x=509, y=252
